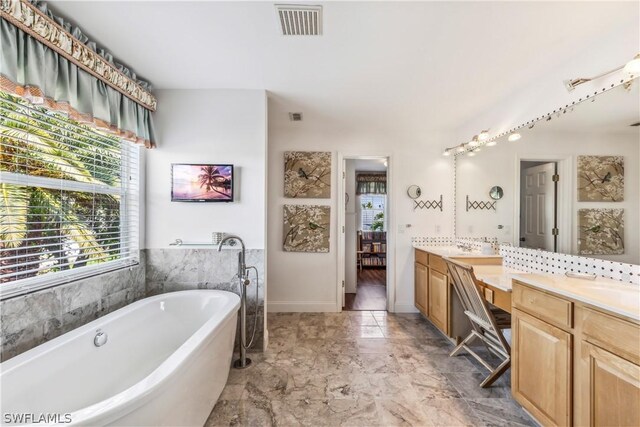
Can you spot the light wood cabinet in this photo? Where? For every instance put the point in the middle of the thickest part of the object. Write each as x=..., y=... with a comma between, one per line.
x=612, y=386
x=573, y=364
x=438, y=299
x=421, y=288
x=541, y=369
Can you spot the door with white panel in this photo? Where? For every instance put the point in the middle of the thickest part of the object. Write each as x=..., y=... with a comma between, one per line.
x=538, y=207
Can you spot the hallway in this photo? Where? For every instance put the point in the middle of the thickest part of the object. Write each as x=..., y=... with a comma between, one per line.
x=371, y=293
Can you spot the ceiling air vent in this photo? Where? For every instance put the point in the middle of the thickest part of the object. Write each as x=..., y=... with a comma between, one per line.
x=295, y=117
x=299, y=20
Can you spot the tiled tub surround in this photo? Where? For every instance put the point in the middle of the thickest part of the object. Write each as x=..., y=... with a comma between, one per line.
x=178, y=269
x=27, y=321
x=537, y=261
x=361, y=369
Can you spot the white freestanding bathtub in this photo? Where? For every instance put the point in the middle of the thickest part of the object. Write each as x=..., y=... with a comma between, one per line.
x=165, y=362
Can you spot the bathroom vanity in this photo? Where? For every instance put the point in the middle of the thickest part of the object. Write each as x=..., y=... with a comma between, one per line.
x=576, y=350
x=435, y=296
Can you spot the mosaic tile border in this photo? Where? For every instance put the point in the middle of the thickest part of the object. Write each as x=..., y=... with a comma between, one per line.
x=538, y=261
x=475, y=242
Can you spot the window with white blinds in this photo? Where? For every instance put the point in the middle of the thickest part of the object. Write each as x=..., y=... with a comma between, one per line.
x=68, y=199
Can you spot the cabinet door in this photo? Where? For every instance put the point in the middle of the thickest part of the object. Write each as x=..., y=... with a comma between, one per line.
x=541, y=369
x=438, y=299
x=611, y=388
x=421, y=288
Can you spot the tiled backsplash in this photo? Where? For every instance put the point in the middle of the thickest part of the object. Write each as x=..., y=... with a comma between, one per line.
x=475, y=242
x=537, y=261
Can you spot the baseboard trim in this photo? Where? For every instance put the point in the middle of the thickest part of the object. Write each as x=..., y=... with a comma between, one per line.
x=405, y=308
x=300, y=306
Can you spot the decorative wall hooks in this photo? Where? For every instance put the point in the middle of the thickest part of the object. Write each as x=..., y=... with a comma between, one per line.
x=480, y=205
x=428, y=204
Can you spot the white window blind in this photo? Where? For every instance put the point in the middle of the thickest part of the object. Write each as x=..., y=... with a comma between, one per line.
x=371, y=205
x=68, y=199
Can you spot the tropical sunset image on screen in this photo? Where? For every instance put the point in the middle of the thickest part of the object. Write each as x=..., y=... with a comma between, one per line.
x=205, y=183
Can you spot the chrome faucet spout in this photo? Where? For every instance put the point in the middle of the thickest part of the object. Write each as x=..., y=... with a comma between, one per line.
x=242, y=266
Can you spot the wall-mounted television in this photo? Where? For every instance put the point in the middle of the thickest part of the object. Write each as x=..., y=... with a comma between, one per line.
x=195, y=182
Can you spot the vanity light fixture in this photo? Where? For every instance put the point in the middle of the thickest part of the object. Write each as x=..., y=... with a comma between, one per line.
x=514, y=137
x=483, y=135
x=474, y=141
x=461, y=148
x=491, y=143
x=446, y=152
x=471, y=154
x=477, y=150
x=631, y=68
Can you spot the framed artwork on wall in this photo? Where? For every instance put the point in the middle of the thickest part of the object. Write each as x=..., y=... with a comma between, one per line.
x=307, y=174
x=601, y=231
x=600, y=178
x=306, y=228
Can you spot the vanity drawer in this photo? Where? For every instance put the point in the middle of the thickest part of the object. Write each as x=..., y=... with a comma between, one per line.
x=422, y=257
x=618, y=336
x=437, y=263
x=544, y=306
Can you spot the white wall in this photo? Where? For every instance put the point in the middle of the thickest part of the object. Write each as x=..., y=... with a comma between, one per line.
x=351, y=225
x=208, y=126
x=496, y=166
x=308, y=282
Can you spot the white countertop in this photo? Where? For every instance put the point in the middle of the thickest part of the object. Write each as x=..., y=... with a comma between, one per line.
x=497, y=276
x=453, y=251
x=607, y=294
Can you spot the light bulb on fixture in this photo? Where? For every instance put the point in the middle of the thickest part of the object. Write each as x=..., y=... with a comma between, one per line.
x=446, y=152
x=477, y=150
x=514, y=137
x=633, y=66
x=461, y=148
x=474, y=141
x=491, y=143
x=483, y=135
x=471, y=154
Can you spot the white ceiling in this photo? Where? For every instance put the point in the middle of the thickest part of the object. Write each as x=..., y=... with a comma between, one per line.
x=368, y=165
x=385, y=66
x=613, y=111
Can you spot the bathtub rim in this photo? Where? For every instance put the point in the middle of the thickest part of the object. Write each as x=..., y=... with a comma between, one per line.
x=139, y=392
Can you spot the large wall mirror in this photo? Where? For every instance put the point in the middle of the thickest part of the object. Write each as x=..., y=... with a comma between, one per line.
x=570, y=184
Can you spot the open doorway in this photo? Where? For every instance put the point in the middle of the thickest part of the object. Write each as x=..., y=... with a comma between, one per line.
x=366, y=224
x=539, y=205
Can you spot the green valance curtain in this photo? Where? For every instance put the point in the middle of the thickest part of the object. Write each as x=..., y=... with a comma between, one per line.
x=370, y=183
x=48, y=62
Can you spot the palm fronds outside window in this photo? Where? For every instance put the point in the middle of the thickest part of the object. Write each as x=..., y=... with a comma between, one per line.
x=65, y=194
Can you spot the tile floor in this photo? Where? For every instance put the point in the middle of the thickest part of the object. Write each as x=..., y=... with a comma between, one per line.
x=361, y=368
